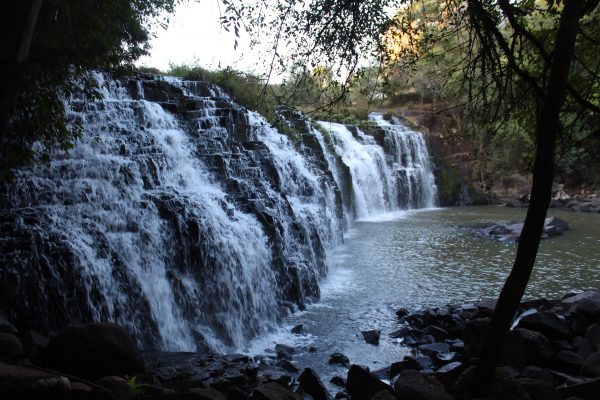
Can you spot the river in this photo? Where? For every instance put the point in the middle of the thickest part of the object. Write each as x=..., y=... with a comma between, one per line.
x=426, y=258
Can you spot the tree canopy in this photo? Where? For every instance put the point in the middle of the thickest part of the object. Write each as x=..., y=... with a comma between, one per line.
x=50, y=45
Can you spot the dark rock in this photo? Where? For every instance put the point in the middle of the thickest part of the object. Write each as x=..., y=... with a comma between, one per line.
x=555, y=226
x=568, y=362
x=362, y=385
x=447, y=357
x=539, y=389
x=578, y=323
x=383, y=395
x=341, y=395
x=474, y=332
x=516, y=203
x=339, y=358
x=402, y=332
x=7, y=327
x=11, y=347
x=81, y=391
x=19, y=382
x=438, y=334
x=456, y=345
x=586, y=347
x=524, y=347
x=548, y=324
x=155, y=390
x=569, y=301
x=338, y=381
x=402, y=312
x=284, y=351
x=424, y=362
x=117, y=386
x=286, y=365
x=274, y=391
x=434, y=348
x=35, y=346
x=371, y=336
x=311, y=384
x=413, y=385
x=95, y=350
x=449, y=373
x=592, y=335
x=383, y=373
x=589, y=307
x=586, y=390
x=538, y=373
x=298, y=329
x=207, y=394
x=591, y=365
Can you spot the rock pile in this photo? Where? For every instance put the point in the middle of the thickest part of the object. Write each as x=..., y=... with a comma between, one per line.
x=552, y=352
x=511, y=231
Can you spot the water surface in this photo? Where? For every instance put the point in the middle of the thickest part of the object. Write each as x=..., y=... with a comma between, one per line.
x=426, y=258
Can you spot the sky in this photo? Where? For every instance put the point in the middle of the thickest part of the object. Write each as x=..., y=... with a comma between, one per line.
x=195, y=36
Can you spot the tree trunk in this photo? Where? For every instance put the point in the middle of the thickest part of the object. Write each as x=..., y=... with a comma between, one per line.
x=547, y=127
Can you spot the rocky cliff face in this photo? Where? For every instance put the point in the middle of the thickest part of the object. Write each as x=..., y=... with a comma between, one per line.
x=189, y=219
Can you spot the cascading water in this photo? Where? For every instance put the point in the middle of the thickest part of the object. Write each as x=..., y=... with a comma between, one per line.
x=188, y=219
x=392, y=173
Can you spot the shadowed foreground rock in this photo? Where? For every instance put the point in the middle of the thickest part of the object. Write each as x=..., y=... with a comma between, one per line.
x=95, y=350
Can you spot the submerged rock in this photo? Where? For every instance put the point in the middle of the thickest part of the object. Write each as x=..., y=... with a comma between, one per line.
x=371, y=336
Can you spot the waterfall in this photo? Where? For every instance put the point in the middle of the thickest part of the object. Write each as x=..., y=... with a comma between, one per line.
x=394, y=173
x=188, y=219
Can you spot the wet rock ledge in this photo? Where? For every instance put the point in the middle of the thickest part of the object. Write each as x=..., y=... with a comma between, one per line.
x=552, y=352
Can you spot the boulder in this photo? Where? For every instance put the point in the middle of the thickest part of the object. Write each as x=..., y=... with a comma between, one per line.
x=438, y=333
x=286, y=365
x=547, y=323
x=586, y=390
x=413, y=385
x=591, y=365
x=568, y=301
x=338, y=381
x=402, y=332
x=371, y=336
x=589, y=307
x=555, y=226
x=284, y=351
x=11, y=347
x=538, y=373
x=568, y=361
x=362, y=385
x=6, y=326
x=95, y=350
x=383, y=395
x=274, y=391
x=118, y=386
x=207, y=394
x=311, y=384
x=524, y=347
x=339, y=358
x=539, y=389
x=298, y=329
x=402, y=312
x=474, y=332
x=434, y=348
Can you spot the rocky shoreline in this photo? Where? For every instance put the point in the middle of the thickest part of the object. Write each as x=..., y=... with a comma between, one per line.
x=552, y=352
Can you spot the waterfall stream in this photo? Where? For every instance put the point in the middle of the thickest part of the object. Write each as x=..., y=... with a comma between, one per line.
x=190, y=220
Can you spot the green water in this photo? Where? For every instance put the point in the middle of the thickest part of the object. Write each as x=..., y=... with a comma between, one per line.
x=426, y=258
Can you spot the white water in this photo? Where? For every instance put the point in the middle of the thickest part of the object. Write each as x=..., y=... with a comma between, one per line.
x=203, y=227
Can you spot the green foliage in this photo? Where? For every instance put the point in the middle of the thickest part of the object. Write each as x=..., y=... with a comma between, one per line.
x=135, y=387
x=71, y=38
x=247, y=89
